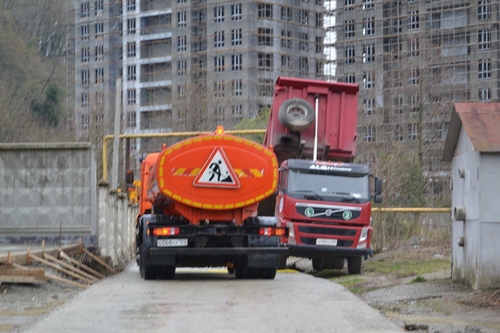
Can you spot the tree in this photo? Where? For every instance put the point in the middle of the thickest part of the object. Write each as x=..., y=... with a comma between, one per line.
x=50, y=109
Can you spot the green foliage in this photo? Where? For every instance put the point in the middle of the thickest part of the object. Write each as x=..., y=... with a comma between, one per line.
x=50, y=109
x=259, y=122
x=418, y=279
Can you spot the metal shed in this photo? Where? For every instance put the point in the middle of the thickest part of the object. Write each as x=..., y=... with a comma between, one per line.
x=473, y=147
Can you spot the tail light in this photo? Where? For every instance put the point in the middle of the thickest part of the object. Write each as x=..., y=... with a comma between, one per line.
x=165, y=231
x=273, y=231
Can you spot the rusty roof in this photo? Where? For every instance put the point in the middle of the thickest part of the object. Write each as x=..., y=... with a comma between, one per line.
x=481, y=121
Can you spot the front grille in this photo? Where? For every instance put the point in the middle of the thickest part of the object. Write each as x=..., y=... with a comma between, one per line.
x=312, y=241
x=327, y=231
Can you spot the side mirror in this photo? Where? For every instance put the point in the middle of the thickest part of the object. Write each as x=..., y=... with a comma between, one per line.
x=377, y=198
x=378, y=185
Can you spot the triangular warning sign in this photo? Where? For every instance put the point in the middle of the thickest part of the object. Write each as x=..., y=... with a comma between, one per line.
x=217, y=172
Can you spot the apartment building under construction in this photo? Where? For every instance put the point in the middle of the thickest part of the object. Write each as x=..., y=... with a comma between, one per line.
x=412, y=60
x=188, y=64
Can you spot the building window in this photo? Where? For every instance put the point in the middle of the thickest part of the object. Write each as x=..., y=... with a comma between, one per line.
x=131, y=73
x=130, y=5
x=319, y=44
x=265, y=61
x=286, y=13
x=303, y=42
x=369, y=106
x=349, y=4
x=182, y=68
x=485, y=95
x=85, y=77
x=265, y=37
x=218, y=89
x=85, y=31
x=304, y=65
x=131, y=119
x=368, y=4
x=415, y=103
x=286, y=39
x=182, y=19
x=84, y=10
x=319, y=20
x=99, y=99
x=236, y=37
x=349, y=29
x=304, y=17
x=237, y=86
x=85, y=100
x=266, y=87
x=99, y=8
x=237, y=112
x=99, y=29
x=398, y=133
x=286, y=61
x=181, y=44
x=413, y=131
x=349, y=55
x=219, y=39
x=131, y=96
x=350, y=78
x=414, y=76
x=264, y=10
x=414, y=20
x=236, y=12
x=414, y=47
x=369, y=80
x=85, y=54
x=369, y=133
x=219, y=113
x=369, y=26
x=99, y=75
x=131, y=26
x=218, y=14
x=483, y=10
x=368, y=53
x=219, y=64
x=484, y=69
x=483, y=40
x=85, y=122
x=319, y=67
x=99, y=53
x=236, y=62
x=131, y=50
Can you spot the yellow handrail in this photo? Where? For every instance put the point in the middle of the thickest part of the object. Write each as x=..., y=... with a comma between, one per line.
x=160, y=135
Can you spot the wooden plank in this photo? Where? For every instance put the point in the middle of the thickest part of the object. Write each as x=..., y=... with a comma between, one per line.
x=65, y=271
x=111, y=269
x=23, y=259
x=79, y=264
x=71, y=268
x=13, y=274
x=60, y=279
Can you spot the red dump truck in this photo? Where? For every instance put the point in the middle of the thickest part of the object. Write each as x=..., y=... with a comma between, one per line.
x=323, y=198
x=198, y=203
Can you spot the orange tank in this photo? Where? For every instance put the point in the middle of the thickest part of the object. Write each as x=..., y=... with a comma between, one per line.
x=211, y=177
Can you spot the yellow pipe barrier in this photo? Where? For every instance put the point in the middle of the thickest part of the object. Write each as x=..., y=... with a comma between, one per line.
x=411, y=210
x=160, y=135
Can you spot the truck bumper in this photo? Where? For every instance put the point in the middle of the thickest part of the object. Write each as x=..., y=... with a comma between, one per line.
x=255, y=256
x=310, y=251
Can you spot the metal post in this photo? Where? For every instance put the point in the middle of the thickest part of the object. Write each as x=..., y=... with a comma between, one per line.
x=315, y=147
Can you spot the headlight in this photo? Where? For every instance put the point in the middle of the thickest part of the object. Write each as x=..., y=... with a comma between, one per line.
x=364, y=234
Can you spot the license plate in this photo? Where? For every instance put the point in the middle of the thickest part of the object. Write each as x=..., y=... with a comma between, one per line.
x=169, y=242
x=326, y=241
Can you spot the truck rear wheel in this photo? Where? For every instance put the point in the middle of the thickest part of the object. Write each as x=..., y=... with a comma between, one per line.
x=354, y=265
x=268, y=273
x=296, y=114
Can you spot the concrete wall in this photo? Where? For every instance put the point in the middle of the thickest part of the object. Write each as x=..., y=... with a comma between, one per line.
x=46, y=191
x=475, y=180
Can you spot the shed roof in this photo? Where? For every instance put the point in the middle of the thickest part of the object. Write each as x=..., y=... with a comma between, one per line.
x=482, y=124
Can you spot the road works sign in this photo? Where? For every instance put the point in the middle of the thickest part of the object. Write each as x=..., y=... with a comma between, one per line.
x=217, y=172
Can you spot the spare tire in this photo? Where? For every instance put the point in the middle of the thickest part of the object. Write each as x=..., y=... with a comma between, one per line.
x=296, y=114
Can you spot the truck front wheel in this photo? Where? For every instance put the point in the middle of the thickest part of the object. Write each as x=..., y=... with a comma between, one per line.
x=354, y=265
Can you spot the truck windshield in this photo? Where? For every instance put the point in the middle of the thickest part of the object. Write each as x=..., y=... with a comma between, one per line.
x=324, y=186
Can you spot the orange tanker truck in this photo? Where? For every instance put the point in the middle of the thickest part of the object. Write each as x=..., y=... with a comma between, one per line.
x=198, y=203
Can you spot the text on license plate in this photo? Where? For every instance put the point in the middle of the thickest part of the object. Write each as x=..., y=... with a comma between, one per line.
x=172, y=242
x=326, y=241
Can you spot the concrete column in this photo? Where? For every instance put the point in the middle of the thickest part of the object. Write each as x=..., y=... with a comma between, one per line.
x=112, y=225
x=103, y=208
